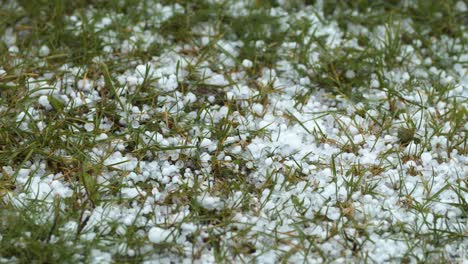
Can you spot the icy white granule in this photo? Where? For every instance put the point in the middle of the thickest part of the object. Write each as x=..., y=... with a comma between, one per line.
x=117, y=160
x=168, y=83
x=268, y=161
x=169, y=170
x=205, y=157
x=217, y=80
x=44, y=51
x=69, y=227
x=211, y=99
x=358, y=138
x=241, y=92
x=22, y=175
x=84, y=85
x=107, y=49
x=100, y=257
x=143, y=70
x=257, y=108
x=190, y=98
x=461, y=6
x=89, y=127
x=60, y=189
x=13, y=49
x=205, y=143
x=39, y=189
x=127, y=46
x=247, y=63
x=375, y=83
x=210, y=202
x=9, y=37
x=426, y=157
x=131, y=192
x=105, y=21
x=101, y=136
x=158, y=235
x=135, y=124
x=350, y=74
x=44, y=101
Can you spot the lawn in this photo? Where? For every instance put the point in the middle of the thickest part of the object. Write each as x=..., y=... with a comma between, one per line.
x=233, y=131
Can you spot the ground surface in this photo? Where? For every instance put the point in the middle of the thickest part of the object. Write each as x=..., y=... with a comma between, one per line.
x=233, y=131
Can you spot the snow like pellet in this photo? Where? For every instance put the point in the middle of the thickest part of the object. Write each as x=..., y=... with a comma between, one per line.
x=374, y=83
x=168, y=83
x=84, y=85
x=158, y=235
x=123, y=163
x=461, y=6
x=60, y=189
x=9, y=37
x=39, y=189
x=240, y=92
x=257, y=108
x=89, y=127
x=105, y=21
x=44, y=101
x=44, y=51
x=426, y=157
x=205, y=143
x=98, y=257
x=190, y=98
x=143, y=70
x=247, y=63
x=102, y=136
x=39, y=87
x=130, y=192
x=13, y=49
x=210, y=202
x=217, y=80
x=205, y=157
x=350, y=74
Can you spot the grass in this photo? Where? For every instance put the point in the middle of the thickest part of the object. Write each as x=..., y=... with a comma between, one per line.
x=158, y=129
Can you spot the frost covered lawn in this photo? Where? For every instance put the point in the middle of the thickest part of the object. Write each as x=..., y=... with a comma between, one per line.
x=233, y=131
